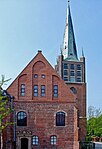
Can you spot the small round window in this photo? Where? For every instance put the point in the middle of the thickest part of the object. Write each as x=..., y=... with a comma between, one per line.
x=73, y=90
x=35, y=75
x=43, y=76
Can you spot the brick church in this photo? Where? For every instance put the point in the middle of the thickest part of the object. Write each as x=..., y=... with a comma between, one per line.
x=50, y=104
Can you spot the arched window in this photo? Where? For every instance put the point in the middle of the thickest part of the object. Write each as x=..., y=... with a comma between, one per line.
x=55, y=91
x=53, y=140
x=22, y=89
x=60, y=119
x=73, y=90
x=21, y=119
x=35, y=140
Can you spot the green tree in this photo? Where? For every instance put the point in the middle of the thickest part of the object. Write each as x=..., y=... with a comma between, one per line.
x=5, y=109
x=94, y=123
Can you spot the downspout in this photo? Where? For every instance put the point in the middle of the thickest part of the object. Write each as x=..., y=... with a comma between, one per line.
x=14, y=119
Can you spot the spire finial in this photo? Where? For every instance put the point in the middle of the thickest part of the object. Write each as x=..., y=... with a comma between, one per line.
x=68, y=2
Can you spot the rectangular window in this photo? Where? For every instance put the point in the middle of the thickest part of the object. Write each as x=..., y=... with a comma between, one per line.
x=72, y=79
x=79, y=79
x=22, y=92
x=65, y=78
x=35, y=140
x=55, y=92
x=71, y=66
x=78, y=67
x=65, y=65
x=78, y=73
x=42, y=90
x=35, y=90
x=71, y=73
x=65, y=73
x=53, y=140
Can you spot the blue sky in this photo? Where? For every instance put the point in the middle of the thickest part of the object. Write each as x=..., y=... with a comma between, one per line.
x=29, y=25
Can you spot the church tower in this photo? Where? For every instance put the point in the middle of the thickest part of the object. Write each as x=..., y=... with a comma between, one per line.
x=72, y=71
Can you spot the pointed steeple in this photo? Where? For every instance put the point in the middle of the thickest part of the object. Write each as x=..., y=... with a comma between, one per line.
x=69, y=50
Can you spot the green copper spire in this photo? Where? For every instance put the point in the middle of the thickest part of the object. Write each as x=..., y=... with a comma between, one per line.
x=69, y=50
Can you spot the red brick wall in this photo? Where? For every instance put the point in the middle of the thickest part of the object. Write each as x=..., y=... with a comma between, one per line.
x=41, y=111
x=81, y=104
x=41, y=120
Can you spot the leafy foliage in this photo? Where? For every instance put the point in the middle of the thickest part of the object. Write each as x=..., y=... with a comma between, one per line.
x=94, y=124
x=5, y=109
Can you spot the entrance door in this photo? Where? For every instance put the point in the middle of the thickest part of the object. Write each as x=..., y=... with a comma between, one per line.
x=24, y=143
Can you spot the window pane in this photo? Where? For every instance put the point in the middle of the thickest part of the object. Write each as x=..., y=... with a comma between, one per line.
x=78, y=73
x=35, y=90
x=53, y=140
x=22, y=90
x=55, y=91
x=60, y=119
x=42, y=90
x=72, y=73
x=78, y=67
x=65, y=73
x=65, y=66
x=35, y=140
x=71, y=66
x=73, y=90
x=21, y=119
x=72, y=79
x=65, y=78
x=43, y=76
x=79, y=79
x=35, y=75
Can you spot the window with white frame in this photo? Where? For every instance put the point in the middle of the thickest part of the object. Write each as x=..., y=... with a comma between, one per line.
x=35, y=90
x=55, y=91
x=42, y=90
x=65, y=66
x=22, y=90
x=35, y=140
x=53, y=140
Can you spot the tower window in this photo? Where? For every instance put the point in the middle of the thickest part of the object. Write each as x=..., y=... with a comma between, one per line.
x=65, y=78
x=71, y=53
x=73, y=90
x=42, y=90
x=60, y=119
x=78, y=67
x=65, y=72
x=22, y=90
x=53, y=140
x=21, y=119
x=55, y=92
x=78, y=73
x=65, y=66
x=79, y=79
x=71, y=73
x=35, y=90
x=35, y=140
x=72, y=79
x=71, y=66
